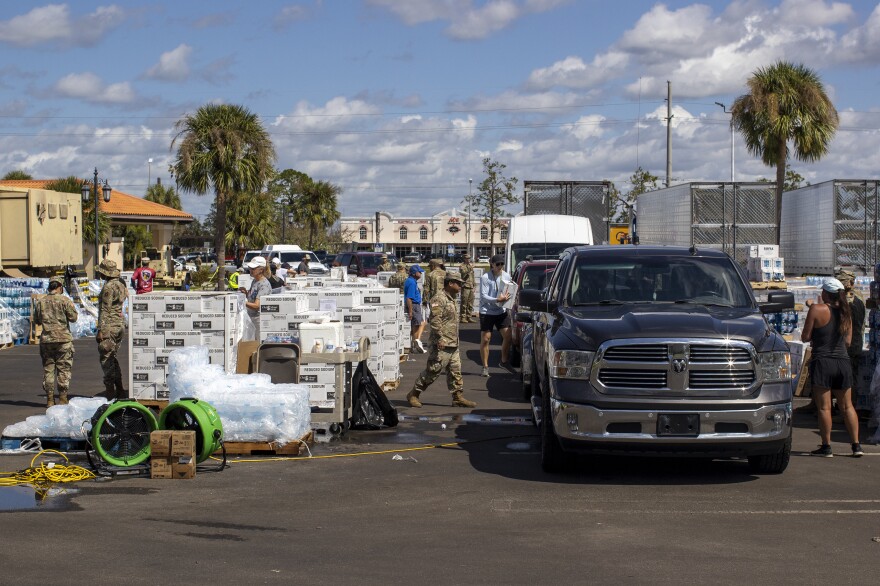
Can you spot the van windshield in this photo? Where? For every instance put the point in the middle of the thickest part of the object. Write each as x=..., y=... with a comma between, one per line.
x=537, y=250
x=294, y=258
x=250, y=255
x=684, y=280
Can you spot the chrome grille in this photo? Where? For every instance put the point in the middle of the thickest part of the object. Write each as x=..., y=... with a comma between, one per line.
x=660, y=367
x=700, y=354
x=632, y=379
x=720, y=379
x=637, y=353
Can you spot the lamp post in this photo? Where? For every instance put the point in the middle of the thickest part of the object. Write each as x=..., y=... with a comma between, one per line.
x=106, y=190
x=149, y=171
x=468, y=227
x=726, y=111
x=289, y=217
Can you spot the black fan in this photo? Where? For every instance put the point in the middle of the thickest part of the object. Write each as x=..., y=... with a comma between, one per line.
x=121, y=432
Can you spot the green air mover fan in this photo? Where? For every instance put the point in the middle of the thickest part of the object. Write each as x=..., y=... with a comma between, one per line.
x=198, y=416
x=121, y=432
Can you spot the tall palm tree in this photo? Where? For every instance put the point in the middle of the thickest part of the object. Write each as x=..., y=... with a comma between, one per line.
x=786, y=102
x=250, y=220
x=166, y=196
x=316, y=207
x=223, y=147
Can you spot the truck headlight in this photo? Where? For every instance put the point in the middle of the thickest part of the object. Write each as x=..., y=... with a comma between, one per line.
x=775, y=366
x=574, y=364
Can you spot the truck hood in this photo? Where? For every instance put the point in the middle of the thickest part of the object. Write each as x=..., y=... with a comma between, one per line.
x=593, y=325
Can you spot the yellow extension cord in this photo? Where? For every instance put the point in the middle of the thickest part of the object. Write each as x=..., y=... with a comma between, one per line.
x=42, y=477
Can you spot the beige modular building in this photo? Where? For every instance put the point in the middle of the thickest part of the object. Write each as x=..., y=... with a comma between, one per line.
x=449, y=232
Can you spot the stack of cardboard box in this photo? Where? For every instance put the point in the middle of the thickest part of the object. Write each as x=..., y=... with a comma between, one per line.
x=173, y=454
x=764, y=264
x=160, y=324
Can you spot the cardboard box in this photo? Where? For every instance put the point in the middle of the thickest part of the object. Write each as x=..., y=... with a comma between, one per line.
x=284, y=304
x=763, y=251
x=148, y=374
x=322, y=395
x=183, y=468
x=147, y=339
x=181, y=339
x=148, y=391
x=160, y=467
x=382, y=296
x=160, y=443
x=363, y=314
x=317, y=373
x=247, y=349
x=183, y=443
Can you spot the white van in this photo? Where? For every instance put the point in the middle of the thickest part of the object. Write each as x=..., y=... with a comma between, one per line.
x=544, y=236
x=291, y=253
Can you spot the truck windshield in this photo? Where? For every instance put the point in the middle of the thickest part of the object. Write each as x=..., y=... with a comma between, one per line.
x=684, y=280
x=537, y=250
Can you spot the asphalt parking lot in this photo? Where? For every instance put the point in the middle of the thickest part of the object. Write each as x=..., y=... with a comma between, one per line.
x=477, y=509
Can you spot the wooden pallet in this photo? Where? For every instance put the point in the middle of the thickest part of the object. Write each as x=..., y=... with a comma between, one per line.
x=390, y=385
x=783, y=285
x=62, y=444
x=758, y=285
x=269, y=448
x=155, y=405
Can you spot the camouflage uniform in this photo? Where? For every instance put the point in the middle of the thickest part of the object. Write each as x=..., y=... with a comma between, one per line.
x=467, y=291
x=434, y=283
x=397, y=280
x=55, y=312
x=111, y=328
x=385, y=266
x=444, y=331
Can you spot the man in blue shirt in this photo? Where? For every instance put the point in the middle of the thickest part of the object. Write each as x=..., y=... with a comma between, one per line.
x=493, y=314
x=413, y=300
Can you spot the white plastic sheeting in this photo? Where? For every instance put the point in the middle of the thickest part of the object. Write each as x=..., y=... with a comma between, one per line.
x=59, y=421
x=251, y=408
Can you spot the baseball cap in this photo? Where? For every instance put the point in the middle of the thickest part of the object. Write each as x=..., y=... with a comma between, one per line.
x=276, y=261
x=832, y=285
x=845, y=276
x=257, y=262
x=415, y=269
x=498, y=258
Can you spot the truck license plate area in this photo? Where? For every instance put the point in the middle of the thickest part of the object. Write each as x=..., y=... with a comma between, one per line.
x=678, y=424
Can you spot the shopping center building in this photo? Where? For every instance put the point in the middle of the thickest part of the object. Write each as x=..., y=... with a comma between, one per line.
x=447, y=232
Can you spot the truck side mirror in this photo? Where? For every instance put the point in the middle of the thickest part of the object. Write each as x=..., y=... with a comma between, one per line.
x=777, y=302
x=532, y=299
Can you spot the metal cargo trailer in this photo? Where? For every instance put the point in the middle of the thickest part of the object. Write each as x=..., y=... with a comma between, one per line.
x=829, y=225
x=724, y=216
x=588, y=199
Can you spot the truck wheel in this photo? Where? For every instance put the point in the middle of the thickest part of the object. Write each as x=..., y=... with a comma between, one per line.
x=772, y=463
x=553, y=458
x=515, y=357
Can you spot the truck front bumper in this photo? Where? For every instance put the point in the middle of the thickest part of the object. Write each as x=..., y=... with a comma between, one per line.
x=584, y=428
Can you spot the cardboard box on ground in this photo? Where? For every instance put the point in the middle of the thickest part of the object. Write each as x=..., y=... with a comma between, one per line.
x=172, y=454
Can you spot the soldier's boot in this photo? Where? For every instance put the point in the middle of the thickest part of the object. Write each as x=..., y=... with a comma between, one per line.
x=458, y=400
x=119, y=390
x=62, y=397
x=50, y=399
x=412, y=398
x=109, y=391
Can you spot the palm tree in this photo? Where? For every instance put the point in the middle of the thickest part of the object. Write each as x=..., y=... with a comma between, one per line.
x=250, y=220
x=316, y=207
x=786, y=102
x=223, y=147
x=166, y=196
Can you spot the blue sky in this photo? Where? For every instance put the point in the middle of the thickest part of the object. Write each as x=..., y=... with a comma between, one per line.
x=398, y=101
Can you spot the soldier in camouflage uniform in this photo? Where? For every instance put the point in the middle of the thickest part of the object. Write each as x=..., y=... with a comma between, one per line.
x=467, y=289
x=111, y=328
x=55, y=312
x=385, y=266
x=397, y=280
x=434, y=280
x=444, y=346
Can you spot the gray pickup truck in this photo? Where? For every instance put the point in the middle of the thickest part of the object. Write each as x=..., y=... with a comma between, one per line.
x=657, y=350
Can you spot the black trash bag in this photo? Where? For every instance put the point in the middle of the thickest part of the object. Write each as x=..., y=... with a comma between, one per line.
x=372, y=409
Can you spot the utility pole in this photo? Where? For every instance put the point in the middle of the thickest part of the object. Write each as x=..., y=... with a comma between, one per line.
x=668, y=133
x=468, y=227
x=726, y=111
x=377, y=232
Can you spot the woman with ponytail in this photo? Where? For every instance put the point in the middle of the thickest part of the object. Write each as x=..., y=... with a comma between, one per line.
x=828, y=328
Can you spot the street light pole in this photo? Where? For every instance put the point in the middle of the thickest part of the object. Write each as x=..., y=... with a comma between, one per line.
x=149, y=171
x=726, y=111
x=470, y=196
x=106, y=191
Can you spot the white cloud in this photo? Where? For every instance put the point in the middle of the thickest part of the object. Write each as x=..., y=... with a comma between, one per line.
x=862, y=44
x=53, y=24
x=173, y=65
x=291, y=14
x=466, y=21
x=814, y=12
x=574, y=73
x=90, y=88
x=586, y=127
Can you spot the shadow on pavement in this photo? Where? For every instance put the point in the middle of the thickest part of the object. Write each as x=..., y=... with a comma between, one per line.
x=506, y=443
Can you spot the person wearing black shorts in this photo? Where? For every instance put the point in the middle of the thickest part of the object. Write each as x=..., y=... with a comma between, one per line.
x=828, y=328
x=493, y=314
